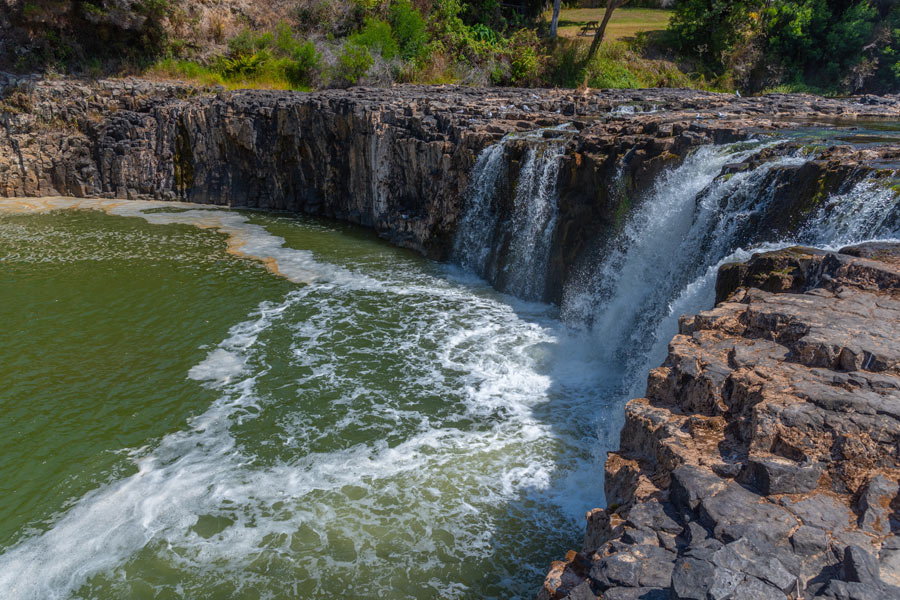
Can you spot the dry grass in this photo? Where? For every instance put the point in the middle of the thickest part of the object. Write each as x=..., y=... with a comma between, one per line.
x=625, y=22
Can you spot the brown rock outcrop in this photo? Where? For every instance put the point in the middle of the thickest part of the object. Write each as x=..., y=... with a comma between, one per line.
x=763, y=461
x=397, y=160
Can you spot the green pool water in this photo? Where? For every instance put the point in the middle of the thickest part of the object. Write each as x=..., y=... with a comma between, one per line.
x=179, y=421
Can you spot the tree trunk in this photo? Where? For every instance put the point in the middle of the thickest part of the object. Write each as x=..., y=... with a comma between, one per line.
x=611, y=5
x=554, y=22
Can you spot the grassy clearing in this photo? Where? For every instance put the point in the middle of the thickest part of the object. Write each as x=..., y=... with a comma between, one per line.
x=184, y=70
x=625, y=22
x=616, y=65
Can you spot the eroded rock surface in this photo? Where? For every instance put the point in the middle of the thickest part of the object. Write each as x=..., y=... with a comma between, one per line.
x=764, y=461
x=397, y=159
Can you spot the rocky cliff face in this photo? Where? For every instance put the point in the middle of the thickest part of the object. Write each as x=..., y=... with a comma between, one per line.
x=763, y=461
x=397, y=160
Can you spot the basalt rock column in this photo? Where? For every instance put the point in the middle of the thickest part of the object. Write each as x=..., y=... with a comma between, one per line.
x=763, y=460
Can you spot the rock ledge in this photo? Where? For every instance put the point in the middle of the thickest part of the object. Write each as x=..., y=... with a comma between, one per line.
x=764, y=460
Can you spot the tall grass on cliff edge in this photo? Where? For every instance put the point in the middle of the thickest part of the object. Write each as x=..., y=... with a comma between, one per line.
x=618, y=64
x=271, y=60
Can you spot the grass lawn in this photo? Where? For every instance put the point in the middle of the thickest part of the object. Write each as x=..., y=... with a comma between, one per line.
x=625, y=22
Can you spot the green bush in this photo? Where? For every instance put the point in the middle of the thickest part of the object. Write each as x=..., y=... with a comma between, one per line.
x=834, y=45
x=353, y=63
x=244, y=65
x=816, y=42
x=409, y=29
x=710, y=29
x=304, y=63
x=242, y=44
x=485, y=34
x=377, y=36
x=526, y=64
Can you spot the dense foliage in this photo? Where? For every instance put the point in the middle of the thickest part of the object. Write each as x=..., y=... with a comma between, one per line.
x=84, y=31
x=830, y=46
x=824, y=45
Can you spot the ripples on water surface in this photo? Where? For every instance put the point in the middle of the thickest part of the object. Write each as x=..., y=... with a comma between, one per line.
x=179, y=422
x=350, y=420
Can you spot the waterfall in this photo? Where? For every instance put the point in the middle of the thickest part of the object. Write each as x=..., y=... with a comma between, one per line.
x=687, y=221
x=868, y=210
x=664, y=261
x=509, y=243
x=664, y=258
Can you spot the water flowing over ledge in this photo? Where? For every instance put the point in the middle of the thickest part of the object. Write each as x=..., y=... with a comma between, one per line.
x=397, y=160
x=511, y=246
x=620, y=217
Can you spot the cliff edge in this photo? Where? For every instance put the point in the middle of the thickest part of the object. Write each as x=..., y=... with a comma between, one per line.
x=763, y=461
x=400, y=160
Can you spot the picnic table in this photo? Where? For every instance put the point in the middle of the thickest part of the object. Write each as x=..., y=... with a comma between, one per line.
x=590, y=27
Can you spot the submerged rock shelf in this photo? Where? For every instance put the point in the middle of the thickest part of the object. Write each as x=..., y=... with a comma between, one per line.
x=762, y=462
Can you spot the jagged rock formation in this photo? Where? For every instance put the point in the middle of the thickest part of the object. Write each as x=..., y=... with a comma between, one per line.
x=763, y=461
x=397, y=160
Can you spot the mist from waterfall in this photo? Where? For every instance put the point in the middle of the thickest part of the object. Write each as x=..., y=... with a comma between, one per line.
x=624, y=301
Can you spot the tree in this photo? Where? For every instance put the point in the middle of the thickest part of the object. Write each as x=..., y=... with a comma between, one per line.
x=611, y=5
x=554, y=22
x=710, y=30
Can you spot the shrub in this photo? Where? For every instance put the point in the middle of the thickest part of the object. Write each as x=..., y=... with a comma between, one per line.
x=242, y=43
x=303, y=64
x=409, y=29
x=377, y=36
x=353, y=63
x=247, y=42
x=485, y=34
x=526, y=65
x=244, y=65
x=710, y=29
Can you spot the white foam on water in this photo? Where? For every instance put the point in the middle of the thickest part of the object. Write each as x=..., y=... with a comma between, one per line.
x=109, y=524
x=244, y=238
x=427, y=497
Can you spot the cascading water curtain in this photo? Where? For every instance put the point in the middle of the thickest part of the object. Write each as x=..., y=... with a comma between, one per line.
x=512, y=250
